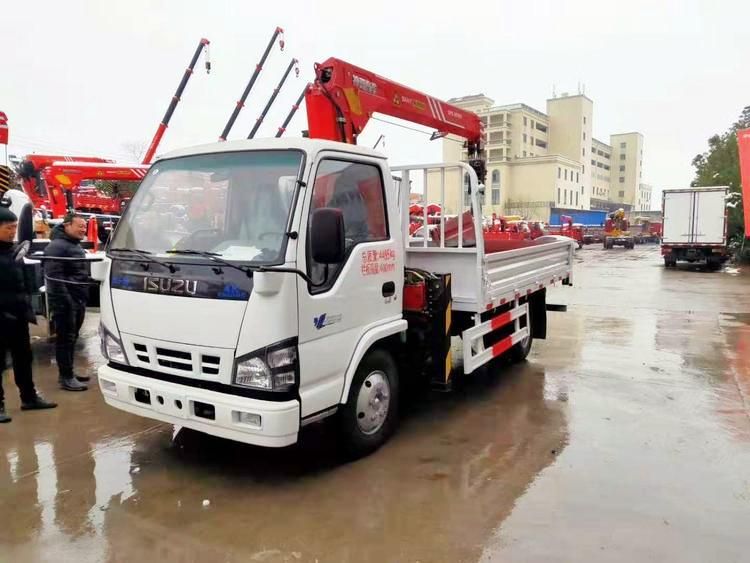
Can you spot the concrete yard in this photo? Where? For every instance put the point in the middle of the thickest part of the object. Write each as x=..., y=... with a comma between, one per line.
x=625, y=437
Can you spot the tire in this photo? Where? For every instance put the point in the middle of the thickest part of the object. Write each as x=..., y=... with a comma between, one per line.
x=365, y=426
x=520, y=351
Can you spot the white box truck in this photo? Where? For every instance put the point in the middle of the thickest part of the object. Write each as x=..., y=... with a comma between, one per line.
x=695, y=226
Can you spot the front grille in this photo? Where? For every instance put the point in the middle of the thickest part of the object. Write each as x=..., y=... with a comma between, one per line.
x=179, y=360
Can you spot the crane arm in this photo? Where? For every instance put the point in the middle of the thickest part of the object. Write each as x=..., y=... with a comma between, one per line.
x=344, y=97
x=203, y=44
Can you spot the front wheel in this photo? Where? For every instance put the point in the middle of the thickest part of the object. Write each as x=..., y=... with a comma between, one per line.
x=371, y=411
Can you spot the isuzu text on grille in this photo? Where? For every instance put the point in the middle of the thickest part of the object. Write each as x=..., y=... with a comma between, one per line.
x=168, y=285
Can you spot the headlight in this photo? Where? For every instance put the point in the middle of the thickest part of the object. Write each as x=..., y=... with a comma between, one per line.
x=253, y=373
x=111, y=347
x=271, y=369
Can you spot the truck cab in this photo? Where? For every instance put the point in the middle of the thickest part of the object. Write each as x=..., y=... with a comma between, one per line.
x=198, y=328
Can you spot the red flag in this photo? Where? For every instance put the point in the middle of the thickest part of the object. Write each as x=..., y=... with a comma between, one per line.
x=743, y=139
x=3, y=129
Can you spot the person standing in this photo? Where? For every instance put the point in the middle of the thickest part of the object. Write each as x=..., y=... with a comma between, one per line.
x=15, y=314
x=67, y=282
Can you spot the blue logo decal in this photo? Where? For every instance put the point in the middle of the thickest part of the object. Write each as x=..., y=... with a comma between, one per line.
x=325, y=320
x=319, y=322
x=231, y=291
x=122, y=282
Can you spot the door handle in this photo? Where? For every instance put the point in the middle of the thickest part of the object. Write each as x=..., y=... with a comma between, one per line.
x=389, y=289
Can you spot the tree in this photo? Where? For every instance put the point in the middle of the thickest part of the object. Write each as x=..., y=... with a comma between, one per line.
x=720, y=166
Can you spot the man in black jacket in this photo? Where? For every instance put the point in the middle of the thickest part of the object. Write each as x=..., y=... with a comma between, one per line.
x=15, y=313
x=67, y=282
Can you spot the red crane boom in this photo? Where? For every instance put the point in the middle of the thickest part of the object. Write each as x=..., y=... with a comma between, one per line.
x=344, y=97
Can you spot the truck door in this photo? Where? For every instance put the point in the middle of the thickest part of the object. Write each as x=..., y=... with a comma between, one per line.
x=709, y=216
x=352, y=296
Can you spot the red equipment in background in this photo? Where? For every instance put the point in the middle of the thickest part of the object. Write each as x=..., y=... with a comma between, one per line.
x=54, y=182
x=567, y=229
x=743, y=141
x=3, y=129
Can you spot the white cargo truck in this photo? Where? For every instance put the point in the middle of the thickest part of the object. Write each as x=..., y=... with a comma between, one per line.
x=254, y=287
x=695, y=226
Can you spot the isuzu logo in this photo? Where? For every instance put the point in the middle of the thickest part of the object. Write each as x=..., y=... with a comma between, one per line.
x=170, y=286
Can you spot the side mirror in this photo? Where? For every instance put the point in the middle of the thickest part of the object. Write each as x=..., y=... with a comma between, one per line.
x=327, y=236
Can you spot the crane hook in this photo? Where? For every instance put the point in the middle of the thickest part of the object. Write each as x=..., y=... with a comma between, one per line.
x=207, y=58
x=281, y=40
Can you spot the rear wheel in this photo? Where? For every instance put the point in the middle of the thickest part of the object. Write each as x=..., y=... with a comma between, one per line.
x=520, y=351
x=371, y=411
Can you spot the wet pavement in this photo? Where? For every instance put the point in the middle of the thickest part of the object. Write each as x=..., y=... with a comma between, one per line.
x=625, y=437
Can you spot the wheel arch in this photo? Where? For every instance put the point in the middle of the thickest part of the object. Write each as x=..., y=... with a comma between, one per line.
x=381, y=336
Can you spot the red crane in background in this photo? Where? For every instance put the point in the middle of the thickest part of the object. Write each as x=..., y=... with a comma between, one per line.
x=176, y=99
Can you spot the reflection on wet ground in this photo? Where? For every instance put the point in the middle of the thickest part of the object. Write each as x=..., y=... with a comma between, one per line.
x=626, y=437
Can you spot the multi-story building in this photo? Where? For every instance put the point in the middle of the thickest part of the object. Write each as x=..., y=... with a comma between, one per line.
x=538, y=161
x=601, y=158
x=643, y=202
x=627, y=162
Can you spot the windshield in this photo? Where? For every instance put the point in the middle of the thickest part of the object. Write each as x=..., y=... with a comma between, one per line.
x=234, y=204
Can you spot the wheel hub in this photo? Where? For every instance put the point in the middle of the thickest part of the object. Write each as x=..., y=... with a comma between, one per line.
x=373, y=402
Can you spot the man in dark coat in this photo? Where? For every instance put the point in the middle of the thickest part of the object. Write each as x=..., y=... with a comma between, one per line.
x=67, y=282
x=15, y=314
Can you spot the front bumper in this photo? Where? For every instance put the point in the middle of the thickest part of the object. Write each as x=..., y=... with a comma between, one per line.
x=176, y=404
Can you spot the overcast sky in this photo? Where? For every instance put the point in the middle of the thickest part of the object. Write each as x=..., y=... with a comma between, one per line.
x=94, y=77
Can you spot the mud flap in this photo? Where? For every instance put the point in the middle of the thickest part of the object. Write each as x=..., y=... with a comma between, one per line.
x=538, y=312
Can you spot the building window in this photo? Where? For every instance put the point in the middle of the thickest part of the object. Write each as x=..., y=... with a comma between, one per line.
x=566, y=173
x=576, y=177
x=576, y=199
x=584, y=135
x=531, y=140
x=583, y=151
x=559, y=172
x=622, y=193
x=584, y=120
x=623, y=145
x=581, y=190
x=622, y=168
x=495, y=192
x=524, y=121
x=524, y=154
x=622, y=180
x=622, y=156
x=525, y=138
x=565, y=197
x=532, y=123
x=606, y=156
x=583, y=168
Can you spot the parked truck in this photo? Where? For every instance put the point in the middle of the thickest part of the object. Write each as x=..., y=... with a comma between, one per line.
x=695, y=226
x=296, y=294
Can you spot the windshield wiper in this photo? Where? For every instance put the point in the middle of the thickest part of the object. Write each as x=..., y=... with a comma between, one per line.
x=146, y=255
x=247, y=269
x=214, y=257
